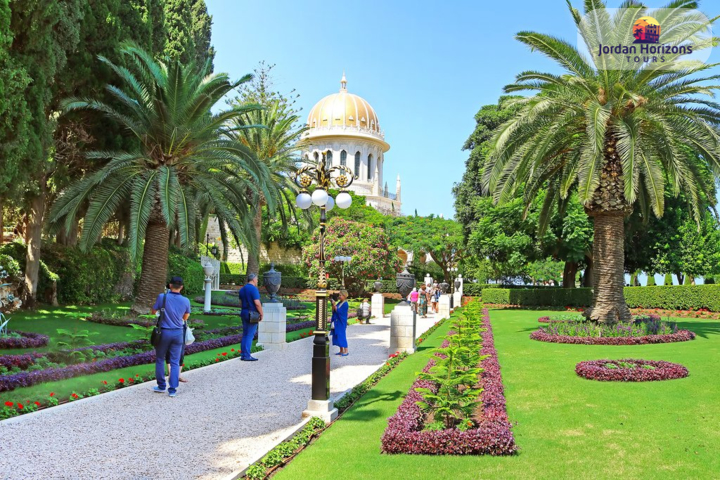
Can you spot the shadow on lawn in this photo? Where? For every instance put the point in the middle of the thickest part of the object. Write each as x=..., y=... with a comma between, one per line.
x=701, y=329
x=362, y=411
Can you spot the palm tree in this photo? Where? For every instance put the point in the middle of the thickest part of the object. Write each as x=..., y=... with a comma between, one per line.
x=275, y=145
x=183, y=158
x=618, y=133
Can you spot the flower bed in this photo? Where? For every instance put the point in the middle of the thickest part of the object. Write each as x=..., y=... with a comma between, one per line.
x=630, y=370
x=639, y=332
x=24, y=340
x=492, y=436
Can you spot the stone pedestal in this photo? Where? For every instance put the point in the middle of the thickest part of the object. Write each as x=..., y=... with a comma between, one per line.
x=377, y=306
x=271, y=330
x=321, y=408
x=444, y=306
x=457, y=300
x=401, y=330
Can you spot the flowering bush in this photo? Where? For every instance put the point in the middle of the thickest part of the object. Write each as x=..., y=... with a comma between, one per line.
x=24, y=340
x=372, y=255
x=630, y=370
x=492, y=435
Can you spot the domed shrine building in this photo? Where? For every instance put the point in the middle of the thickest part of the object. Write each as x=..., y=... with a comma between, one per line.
x=343, y=129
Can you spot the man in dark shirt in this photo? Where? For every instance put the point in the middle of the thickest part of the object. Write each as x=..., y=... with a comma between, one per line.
x=172, y=323
x=250, y=301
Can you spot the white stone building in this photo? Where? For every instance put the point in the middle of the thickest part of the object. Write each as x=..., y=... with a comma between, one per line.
x=344, y=130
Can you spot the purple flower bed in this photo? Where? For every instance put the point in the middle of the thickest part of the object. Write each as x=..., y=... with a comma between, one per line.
x=26, y=340
x=27, y=379
x=679, y=336
x=643, y=371
x=404, y=433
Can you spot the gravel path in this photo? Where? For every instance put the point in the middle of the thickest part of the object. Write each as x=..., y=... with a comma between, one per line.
x=225, y=416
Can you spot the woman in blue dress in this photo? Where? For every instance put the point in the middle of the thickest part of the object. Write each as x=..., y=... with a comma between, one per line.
x=339, y=320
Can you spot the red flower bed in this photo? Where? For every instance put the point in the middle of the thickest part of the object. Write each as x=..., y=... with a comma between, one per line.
x=404, y=433
x=544, y=319
x=629, y=370
x=680, y=336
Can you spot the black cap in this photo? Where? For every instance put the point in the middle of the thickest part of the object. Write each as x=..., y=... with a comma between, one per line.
x=176, y=281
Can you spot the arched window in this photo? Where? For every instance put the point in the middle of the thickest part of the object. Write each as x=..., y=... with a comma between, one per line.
x=343, y=158
x=370, y=169
x=357, y=165
x=328, y=159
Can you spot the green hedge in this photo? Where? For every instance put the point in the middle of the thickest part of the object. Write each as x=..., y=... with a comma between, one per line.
x=389, y=286
x=288, y=270
x=189, y=269
x=232, y=268
x=551, y=297
x=476, y=289
x=676, y=297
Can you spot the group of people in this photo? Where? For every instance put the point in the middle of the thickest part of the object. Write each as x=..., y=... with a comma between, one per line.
x=427, y=297
x=173, y=310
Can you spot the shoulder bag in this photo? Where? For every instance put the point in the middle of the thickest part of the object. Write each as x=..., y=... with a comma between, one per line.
x=157, y=331
x=254, y=317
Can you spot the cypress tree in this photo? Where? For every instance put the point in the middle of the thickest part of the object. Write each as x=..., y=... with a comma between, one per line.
x=202, y=32
x=179, y=41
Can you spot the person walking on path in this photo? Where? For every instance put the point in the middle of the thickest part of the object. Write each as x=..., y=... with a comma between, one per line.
x=364, y=311
x=251, y=310
x=433, y=300
x=339, y=320
x=174, y=311
x=438, y=292
x=414, y=299
x=422, y=302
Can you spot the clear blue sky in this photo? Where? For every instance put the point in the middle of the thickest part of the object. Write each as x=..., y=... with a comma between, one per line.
x=425, y=66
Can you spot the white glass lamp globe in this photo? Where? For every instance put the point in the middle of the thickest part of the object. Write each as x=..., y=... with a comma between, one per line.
x=319, y=197
x=303, y=200
x=330, y=204
x=343, y=200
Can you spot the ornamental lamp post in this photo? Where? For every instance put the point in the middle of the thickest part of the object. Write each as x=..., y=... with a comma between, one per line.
x=323, y=177
x=344, y=259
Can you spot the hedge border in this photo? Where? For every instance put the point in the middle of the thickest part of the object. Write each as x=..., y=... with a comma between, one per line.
x=597, y=370
x=493, y=436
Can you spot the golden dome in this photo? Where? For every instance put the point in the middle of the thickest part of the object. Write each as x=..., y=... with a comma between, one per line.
x=344, y=109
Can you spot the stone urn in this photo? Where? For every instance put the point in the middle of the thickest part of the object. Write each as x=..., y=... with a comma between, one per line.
x=457, y=285
x=378, y=285
x=208, y=270
x=272, y=279
x=444, y=287
x=405, y=282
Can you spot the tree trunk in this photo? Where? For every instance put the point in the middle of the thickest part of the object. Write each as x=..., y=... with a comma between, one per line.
x=569, y=274
x=153, y=275
x=680, y=278
x=2, y=224
x=254, y=257
x=121, y=232
x=588, y=274
x=33, y=237
x=609, y=275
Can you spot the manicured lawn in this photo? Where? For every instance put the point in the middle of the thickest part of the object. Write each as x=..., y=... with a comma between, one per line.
x=567, y=427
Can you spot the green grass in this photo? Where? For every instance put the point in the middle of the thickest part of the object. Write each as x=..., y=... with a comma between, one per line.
x=567, y=427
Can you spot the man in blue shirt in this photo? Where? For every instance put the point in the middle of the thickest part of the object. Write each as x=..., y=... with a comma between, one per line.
x=173, y=315
x=250, y=301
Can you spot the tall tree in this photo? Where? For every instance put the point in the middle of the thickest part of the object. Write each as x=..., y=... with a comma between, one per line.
x=617, y=137
x=14, y=114
x=44, y=31
x=275, y=144
x=202, y=32
x=183, y=159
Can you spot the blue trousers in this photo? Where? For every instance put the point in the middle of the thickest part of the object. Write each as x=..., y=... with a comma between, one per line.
x=249, y=330
x=171, y=343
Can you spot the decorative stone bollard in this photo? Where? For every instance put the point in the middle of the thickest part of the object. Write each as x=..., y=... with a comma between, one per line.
x=272, y=328
x=377, y=302
x=444, y=306
x=402, y=318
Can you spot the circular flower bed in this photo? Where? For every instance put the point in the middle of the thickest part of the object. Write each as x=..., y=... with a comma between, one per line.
x=18, y=339
x=630, y=370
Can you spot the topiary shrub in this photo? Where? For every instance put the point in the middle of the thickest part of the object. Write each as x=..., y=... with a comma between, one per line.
x=651, y=280
x=189, y=269
x=668, y=280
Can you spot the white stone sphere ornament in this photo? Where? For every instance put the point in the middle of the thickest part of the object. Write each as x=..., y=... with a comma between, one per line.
x=330, y=204
x=320, y=197
x=343, y=200
x=303, y=200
